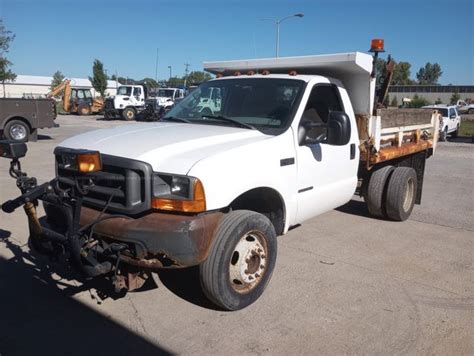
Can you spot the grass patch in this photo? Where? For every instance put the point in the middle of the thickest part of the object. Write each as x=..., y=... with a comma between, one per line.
x=467, y=128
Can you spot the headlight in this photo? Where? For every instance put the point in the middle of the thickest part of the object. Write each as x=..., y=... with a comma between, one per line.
x=178, y=193
x=80, y=161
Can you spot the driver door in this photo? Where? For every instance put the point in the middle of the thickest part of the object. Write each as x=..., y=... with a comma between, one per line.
x=327, y=174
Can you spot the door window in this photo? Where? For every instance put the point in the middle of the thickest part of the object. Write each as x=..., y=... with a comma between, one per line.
x=137, y=92
x=322, y=100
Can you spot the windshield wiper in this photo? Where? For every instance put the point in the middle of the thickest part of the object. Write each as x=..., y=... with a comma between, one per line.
x=228, y=119
x=178, y=119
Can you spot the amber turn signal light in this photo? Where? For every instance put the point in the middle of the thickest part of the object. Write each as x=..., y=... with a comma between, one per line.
x=89, y=162
x=196, y=205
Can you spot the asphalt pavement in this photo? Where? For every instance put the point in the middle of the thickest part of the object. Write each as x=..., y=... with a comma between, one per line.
x=344, y=283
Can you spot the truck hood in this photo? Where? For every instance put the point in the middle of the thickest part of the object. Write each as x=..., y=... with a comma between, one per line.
x=168, y=147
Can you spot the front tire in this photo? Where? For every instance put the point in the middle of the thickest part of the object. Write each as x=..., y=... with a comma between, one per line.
x=129, y=114
x=16, y=130
x=241, y=260
x=401, y=193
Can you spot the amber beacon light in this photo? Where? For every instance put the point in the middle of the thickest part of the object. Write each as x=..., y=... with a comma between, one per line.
x=377, y=45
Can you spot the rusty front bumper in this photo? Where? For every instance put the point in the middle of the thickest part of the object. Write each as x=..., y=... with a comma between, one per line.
x=157, y=240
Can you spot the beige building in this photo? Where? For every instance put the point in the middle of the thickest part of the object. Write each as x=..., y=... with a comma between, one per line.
x=33, y=86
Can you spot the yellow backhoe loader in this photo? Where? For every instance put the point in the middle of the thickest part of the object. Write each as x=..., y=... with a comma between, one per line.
x=77, y=100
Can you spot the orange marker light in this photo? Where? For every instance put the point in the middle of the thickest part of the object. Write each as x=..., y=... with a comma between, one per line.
x=237, y=74
x=377, y=45
x=265, y=72
x=89, y=162
x=293, y=73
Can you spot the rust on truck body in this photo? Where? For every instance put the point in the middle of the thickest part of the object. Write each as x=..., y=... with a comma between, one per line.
x=160, y=240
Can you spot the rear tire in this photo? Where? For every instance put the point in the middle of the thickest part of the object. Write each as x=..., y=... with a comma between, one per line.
x=129, y=114
x=16, y=130
x=241, y=260
x=376, y=191
x=108, y=115
x=401, y=193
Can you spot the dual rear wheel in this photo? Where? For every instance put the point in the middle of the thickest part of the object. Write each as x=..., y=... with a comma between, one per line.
x=391, y=192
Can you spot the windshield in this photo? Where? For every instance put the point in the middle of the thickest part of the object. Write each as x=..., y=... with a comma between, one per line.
x=442, y=111
x=166, y=93
x=124, y=91
x=268, y=104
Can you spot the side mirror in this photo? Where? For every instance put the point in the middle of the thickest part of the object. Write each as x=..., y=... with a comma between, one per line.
x=339, y=128
x=12, y=150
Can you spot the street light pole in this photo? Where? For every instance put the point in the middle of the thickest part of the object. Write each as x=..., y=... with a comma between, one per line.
x=278, y=22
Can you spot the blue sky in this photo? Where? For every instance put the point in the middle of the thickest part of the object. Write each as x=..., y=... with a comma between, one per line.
x=67, y=35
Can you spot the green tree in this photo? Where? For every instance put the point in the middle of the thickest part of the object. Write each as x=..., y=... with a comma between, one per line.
x=175, y=82
x=197, y=77
x=454, y=98
x=58, y=78
x=429, y=74
x=6, y=74
x=394, y=102
x=99, y=79
x=401, y=74
x=150, y=82
x=418, y=101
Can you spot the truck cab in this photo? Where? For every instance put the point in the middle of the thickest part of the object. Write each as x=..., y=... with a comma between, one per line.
x=127, y=103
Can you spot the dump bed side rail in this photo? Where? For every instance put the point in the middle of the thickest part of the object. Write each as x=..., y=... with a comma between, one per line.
x=394, y=133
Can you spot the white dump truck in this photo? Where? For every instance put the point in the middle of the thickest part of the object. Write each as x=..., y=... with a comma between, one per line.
x=291, y=138
x=129, y=101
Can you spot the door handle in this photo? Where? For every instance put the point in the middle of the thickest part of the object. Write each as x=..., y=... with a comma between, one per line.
x=353, y=150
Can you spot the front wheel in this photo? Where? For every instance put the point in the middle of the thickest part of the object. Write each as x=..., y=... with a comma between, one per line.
x=129, y=114
x=241, y=260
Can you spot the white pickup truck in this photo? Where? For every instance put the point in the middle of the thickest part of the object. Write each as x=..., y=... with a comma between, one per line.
x=293, y=138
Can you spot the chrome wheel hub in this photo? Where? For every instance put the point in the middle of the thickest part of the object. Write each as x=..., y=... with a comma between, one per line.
x=18, y=132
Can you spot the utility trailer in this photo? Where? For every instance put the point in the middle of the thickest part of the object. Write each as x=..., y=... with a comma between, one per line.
x=291, y=138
